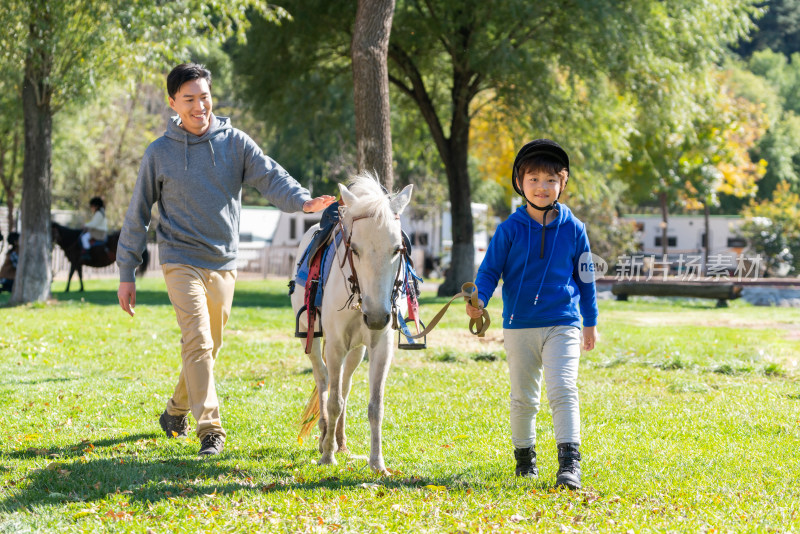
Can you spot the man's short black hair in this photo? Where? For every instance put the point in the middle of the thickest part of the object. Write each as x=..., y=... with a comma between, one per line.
x=97, y=202
x=186, y=72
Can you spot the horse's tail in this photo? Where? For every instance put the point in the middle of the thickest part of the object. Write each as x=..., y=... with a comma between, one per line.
x=309, y=417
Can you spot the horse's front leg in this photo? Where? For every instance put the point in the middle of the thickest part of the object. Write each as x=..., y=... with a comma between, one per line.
x=380, y=358
x=333, y=359
x=72, y=269
x=351, y=362
x=80, y=275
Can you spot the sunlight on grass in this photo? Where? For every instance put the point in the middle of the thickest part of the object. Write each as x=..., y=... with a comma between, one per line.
x=690, y=420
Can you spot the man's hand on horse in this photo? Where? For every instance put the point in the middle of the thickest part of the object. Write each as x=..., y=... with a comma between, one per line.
x=127, y=297
x=473, y=312
x=318, y=204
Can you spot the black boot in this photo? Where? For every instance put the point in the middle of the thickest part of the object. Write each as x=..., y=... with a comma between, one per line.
x=569, y=466
x=526, y=462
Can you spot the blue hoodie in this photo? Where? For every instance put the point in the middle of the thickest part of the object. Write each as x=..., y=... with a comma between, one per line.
x=539, y=292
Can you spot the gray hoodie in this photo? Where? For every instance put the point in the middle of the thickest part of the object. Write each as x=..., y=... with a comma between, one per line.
x=197, y=183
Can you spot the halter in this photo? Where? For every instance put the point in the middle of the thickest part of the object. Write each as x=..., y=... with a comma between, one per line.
x=355, y=288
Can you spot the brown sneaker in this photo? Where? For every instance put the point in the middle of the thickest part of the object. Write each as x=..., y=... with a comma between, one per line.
x=211, y=444
x=175, y=426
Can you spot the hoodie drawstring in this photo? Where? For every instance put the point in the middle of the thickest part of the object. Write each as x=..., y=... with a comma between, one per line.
x=547, y=265
x=544, y=227
x=525, y=265
x=524, y=268
x=185, y=152
x=213, y=158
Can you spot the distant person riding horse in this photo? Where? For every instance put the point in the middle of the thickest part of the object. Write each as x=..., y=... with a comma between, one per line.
x=95, y=232
x=8, y=271
x=69, y=239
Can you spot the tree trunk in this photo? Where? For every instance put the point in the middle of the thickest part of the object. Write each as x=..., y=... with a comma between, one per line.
x=707, y=244
x=462, y=264
x=8, y=175
x=462, y=256
x=34, y=275
x=452, y=150
x=662, y=198
x=370, y=46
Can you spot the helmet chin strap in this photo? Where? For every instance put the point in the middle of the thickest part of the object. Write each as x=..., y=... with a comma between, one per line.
x=546, y=210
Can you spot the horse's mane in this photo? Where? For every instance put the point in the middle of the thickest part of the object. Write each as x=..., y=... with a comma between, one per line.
x=372, y=200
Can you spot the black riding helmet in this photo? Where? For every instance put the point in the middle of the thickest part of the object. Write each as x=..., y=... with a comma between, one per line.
x=540, y=147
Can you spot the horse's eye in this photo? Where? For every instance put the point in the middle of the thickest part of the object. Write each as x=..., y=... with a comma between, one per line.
x=397, y=251
x=355, y=252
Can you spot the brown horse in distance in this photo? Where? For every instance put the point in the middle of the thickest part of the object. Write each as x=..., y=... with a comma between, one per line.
x=100, y=255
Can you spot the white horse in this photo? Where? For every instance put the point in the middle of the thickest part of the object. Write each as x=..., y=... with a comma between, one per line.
x=371, y=232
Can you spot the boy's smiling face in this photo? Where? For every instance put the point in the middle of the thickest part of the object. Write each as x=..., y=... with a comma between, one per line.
x=541, y=187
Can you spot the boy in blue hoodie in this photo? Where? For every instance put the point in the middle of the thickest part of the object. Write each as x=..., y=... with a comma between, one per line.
x=542, y=253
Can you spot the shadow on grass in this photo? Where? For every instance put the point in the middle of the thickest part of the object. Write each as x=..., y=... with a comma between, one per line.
x=243, y=297
x=17, y=382
x=153, y=480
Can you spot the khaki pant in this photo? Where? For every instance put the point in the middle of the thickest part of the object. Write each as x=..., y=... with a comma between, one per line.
x=202, y=300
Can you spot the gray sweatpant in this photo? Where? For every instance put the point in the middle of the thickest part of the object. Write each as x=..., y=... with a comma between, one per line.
x=556, y=350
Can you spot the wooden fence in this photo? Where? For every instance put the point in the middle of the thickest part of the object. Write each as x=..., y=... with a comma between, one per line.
x=263, y=261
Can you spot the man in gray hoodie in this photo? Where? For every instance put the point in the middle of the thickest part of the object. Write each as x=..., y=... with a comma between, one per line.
x=195, y=173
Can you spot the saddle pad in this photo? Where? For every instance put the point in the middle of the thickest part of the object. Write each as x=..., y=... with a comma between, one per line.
x=328, y=254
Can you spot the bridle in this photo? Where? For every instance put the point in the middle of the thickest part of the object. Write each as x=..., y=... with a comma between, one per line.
x=477, y=327
x=355, y=288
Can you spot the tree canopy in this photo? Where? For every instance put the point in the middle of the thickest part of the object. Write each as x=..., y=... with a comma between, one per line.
x=536, y=63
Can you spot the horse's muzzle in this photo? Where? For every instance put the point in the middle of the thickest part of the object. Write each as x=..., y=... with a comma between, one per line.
x=374, y=324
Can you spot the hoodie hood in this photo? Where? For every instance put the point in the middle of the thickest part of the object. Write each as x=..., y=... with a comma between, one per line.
x=174, y=131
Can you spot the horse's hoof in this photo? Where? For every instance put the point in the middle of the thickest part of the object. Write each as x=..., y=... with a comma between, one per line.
x=327, y=459
x=343, y=449
x=381, y=471
x=379, y=468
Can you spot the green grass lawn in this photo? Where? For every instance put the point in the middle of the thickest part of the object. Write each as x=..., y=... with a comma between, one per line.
x=690, y=422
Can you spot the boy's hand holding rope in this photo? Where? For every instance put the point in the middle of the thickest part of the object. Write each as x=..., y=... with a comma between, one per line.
x=477, y=325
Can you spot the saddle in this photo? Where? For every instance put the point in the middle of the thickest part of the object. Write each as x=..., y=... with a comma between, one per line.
x=312, y=270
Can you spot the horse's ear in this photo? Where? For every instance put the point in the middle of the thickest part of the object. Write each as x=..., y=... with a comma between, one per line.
x=401, y=199
x=348, y=198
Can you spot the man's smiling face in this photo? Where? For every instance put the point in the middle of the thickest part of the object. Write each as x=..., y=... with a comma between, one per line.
x=193, y=105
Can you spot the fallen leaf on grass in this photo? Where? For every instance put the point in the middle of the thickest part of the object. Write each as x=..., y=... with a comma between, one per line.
x=84, y=513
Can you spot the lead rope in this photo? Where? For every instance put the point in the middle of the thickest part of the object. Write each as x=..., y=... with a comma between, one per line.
x=477, y=326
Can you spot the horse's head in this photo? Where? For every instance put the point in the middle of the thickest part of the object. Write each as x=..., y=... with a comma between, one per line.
x=55, y=230
x=372, y=223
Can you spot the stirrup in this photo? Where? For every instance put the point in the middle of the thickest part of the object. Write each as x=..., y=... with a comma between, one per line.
x=414, y=344
x=297, y=332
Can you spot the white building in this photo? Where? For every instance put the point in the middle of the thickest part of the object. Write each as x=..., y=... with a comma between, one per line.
x=430, y=234
x=686, y=234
